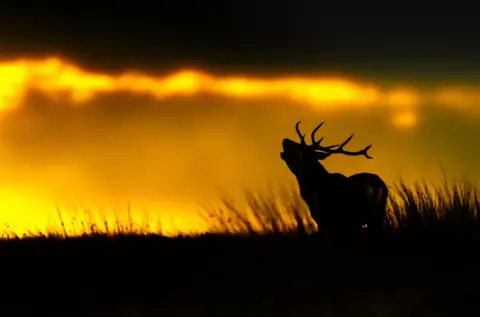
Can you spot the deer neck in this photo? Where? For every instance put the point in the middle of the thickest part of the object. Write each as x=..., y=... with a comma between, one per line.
x=314, y=177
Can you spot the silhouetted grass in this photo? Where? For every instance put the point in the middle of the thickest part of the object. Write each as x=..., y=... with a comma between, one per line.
x=454, y=203
x=281, y=210
x=449, y=204
x=261, y=259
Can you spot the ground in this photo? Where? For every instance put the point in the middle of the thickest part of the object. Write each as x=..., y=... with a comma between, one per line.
x=407, y=273
x=424, y=263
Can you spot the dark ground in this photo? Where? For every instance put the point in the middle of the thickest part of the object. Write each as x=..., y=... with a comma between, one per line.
x=407, y=273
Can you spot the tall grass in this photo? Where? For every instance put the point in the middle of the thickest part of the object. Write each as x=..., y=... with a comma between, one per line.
x=282, y=211
x=449, y=204
x=454, y=203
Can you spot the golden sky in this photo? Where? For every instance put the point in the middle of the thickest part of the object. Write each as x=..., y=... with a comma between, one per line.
x=166, y=142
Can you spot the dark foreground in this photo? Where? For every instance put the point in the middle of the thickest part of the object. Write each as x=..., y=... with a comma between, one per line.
x=422, y=273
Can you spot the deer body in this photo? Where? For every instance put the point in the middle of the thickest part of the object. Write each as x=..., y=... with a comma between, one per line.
x=335, y=200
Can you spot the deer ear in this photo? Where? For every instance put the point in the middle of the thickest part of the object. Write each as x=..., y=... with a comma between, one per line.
x=321, y=155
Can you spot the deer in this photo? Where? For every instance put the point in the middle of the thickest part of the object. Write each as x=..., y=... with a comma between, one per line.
x=335, y=201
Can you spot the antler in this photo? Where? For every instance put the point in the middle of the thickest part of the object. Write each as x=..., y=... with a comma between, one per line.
x=302, y=136
x=340, y=149
x=315, y=144
x=331, y=148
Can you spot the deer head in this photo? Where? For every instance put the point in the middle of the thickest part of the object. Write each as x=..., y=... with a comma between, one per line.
x=302, y=158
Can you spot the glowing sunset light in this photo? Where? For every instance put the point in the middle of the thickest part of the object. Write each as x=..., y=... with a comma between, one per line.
x=23, y=211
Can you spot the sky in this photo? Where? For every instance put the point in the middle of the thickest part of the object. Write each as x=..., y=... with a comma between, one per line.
x=162, y=106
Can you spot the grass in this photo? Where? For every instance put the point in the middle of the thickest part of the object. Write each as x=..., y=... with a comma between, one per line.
x=450, y=204
x=262, y=258
x=281, y=210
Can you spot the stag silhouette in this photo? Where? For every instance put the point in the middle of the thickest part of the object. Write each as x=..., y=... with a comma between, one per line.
x=335, y=200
